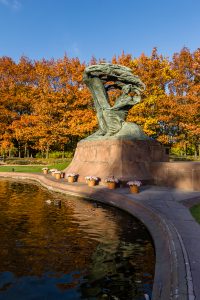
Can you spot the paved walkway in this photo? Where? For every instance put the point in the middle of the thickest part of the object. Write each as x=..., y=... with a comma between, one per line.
x=172, y=205
x=165, y=212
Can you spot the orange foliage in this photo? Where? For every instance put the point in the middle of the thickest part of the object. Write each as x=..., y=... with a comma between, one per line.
x=44, y=104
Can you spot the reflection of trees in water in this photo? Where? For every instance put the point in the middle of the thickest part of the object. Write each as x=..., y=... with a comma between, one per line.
x=100, y=248
x=36, y=237
x=125, y=272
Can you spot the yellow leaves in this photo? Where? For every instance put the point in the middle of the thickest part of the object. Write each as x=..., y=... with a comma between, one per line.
x=45, y=102
x=164, y=139
x=150, y=126
x=23, y=128
x=80, y=122
x=6, y=145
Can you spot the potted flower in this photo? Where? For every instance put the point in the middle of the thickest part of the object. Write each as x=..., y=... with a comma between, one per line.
x=112, y=182
x=71, y=177
x=52, y=171
x=45, y=170
x=92, y=180
x=57, y=174
x=134, y=186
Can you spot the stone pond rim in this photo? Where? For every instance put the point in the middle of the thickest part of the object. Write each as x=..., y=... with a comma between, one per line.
x=171, y=280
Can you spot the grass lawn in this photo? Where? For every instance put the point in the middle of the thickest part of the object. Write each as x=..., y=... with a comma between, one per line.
x=33, y=169
x=195, y=211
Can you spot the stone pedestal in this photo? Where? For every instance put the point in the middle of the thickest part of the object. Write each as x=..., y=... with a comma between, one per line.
x=178, y=174
x=124, y=159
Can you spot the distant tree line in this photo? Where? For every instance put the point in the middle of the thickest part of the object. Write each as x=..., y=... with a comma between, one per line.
x=44, y=105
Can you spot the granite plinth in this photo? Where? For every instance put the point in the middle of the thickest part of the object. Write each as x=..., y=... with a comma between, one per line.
x=181, y=175
x=124, y=159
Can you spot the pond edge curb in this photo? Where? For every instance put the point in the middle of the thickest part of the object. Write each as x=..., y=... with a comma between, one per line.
x=173, y=279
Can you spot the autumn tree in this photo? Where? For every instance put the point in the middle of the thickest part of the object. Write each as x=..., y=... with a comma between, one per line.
x=8, y=104
x=61, y=103
x=156, y=73
x=45, y=106
x=182, y=110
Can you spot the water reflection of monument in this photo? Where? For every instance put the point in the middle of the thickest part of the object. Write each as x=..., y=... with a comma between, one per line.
x=118, y=147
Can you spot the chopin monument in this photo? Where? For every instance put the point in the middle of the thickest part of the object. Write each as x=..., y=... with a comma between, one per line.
x=118, y=148
x=112, y=119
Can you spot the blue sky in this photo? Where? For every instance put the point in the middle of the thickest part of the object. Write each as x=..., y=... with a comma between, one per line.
x=83, y=28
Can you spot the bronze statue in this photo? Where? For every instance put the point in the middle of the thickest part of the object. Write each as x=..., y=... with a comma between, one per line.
x=111, y=119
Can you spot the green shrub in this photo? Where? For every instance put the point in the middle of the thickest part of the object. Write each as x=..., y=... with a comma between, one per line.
x=59, y=154
x=24, y=161
x=195, y=211
x=56, y=154
x=37, y=161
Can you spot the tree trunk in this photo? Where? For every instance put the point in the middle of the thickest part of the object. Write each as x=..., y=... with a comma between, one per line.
x=196, y=151
x=47, y=151
x=185, y=150
x=19, y=150
x=25, y=150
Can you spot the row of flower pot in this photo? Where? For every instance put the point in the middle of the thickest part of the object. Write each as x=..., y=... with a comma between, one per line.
x=54, y=172
x=111, y=182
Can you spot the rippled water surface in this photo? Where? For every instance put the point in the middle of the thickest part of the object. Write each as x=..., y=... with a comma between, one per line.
x=73, y=249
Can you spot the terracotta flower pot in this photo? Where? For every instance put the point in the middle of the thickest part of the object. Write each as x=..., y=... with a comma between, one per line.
x=112, y=185
x=71, y=179
x=45, y=172
x=134, y=189
x=91, y=182
x=57, y=175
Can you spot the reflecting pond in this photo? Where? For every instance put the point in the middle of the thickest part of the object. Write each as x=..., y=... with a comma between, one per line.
x=54, y=246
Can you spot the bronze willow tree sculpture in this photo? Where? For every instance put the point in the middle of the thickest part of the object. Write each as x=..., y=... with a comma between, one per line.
x=111, y=119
